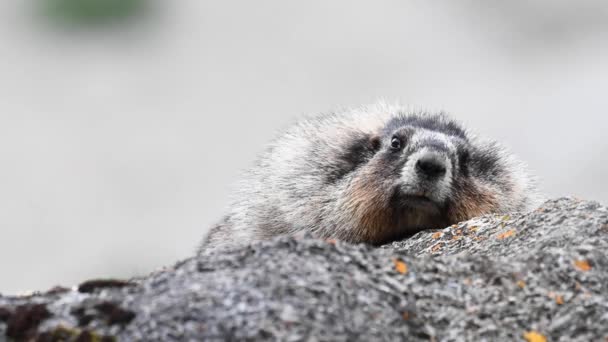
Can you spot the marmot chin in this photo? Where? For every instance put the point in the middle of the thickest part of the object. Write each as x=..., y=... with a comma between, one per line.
x=374, y=174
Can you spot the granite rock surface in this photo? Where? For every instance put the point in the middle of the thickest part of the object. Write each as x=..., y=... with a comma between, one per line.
x=537, y=276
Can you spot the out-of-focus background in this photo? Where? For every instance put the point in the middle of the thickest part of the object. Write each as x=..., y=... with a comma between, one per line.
x=123, y=123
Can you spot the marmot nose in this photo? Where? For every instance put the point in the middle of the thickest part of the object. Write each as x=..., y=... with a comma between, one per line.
x=431, y=165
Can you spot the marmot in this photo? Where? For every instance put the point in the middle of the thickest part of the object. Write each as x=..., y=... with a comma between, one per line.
x=374, y=174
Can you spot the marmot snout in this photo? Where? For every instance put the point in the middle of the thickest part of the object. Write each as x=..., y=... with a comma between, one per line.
x=374, y=174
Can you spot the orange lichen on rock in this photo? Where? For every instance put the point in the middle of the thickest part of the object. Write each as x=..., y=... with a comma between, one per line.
x=559, y=299
x=533, y=336
x=509, y=233
x=582, y=265
x=436, y=248
x=521, y=284
x=400, y=266
x=437, y=235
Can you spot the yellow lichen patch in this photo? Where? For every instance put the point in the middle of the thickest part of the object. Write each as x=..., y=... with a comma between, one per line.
x=509, y=233
x=559, y=299
x=473, y=228
x=437, y=235
x=533, y=336
x=456, y=237
x=582, y=265
x=521, y=284
x=506, y=218
x=400, y=266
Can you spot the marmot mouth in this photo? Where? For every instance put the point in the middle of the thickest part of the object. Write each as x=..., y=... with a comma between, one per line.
x=416, y=198
x=418, y=202
x=416, y=212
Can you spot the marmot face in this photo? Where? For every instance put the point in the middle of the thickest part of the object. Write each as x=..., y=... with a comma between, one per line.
x=411, y=180
x=374, y=175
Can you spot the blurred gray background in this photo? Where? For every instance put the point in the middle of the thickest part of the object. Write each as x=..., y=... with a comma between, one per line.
x=122, y=131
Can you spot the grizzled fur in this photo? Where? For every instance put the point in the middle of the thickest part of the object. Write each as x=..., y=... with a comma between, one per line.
x=355, y=176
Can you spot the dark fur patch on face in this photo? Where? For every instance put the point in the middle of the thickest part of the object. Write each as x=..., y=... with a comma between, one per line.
x=485, y=163
x=434, y=122
x=464, y=157
x=360, y=149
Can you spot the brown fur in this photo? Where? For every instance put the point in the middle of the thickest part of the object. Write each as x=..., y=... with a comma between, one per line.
x=368, y=205
x=473, y=200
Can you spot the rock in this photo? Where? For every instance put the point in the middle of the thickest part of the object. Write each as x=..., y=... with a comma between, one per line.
x=496, y=277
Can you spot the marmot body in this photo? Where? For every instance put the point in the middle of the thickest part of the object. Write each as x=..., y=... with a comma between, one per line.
x=373, y=174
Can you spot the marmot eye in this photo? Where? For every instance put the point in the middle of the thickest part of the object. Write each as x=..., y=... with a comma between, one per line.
x=395, y=143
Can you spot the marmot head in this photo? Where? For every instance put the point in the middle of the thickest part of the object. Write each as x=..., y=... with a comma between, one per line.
x=374, y=175
x=420, y=172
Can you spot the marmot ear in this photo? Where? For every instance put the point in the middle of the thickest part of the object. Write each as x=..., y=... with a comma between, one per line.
x=376, y=142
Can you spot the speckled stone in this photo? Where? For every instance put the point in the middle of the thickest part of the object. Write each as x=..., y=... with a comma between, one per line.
x=492, y=278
